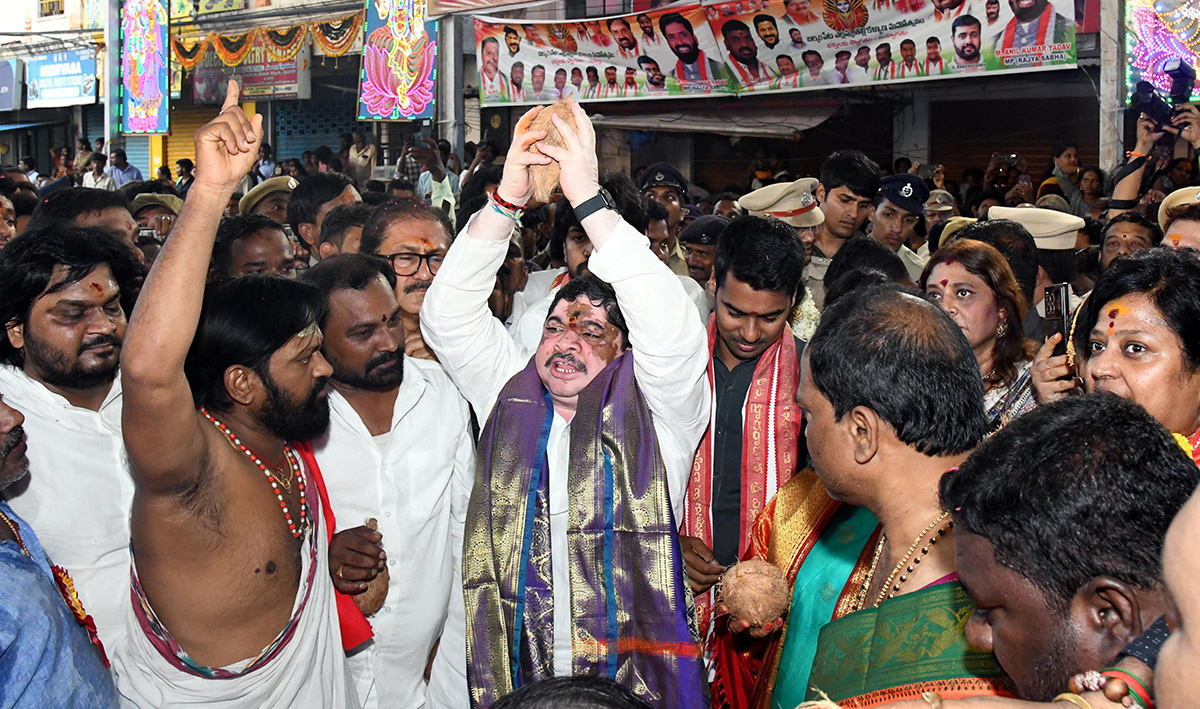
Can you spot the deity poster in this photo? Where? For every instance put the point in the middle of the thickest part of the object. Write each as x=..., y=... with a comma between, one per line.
x=743, y=46
x=145, y=71
x=399, y=62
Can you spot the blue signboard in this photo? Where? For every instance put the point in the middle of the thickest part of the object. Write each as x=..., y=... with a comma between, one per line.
x=61, y=79
x=10, y=84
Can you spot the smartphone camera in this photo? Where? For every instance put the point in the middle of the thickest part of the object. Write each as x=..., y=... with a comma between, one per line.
x=1058, y=305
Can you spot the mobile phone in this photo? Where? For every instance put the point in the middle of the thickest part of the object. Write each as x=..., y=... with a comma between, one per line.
x=424, y=131
x=148, y=235
x=927, y=171
x=1058, y=306
x=1025, y=180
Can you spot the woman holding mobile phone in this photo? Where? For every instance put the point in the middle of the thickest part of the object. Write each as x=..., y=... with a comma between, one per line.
x=1137, y=336
x=973, y=283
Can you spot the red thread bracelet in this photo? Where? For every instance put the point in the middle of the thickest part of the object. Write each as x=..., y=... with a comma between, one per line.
x=505, y=203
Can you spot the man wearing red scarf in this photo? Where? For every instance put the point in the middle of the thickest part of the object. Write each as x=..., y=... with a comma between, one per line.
x=751, y=446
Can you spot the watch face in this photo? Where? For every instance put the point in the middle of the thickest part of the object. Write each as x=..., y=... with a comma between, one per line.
x=608, y=200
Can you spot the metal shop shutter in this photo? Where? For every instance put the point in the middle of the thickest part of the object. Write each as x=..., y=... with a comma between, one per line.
x=180, y=141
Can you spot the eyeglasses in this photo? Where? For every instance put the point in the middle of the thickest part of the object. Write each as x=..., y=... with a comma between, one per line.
x=407, y=264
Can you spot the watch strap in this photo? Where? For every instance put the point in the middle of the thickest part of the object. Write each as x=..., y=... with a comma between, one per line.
x=591, y=206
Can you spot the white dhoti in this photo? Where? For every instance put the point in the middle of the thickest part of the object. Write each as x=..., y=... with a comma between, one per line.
x=304, y=667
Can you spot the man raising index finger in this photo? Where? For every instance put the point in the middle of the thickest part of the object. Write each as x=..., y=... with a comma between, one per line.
x=229, y=578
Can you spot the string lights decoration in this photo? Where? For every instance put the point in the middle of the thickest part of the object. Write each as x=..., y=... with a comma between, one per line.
x=1159, y=31
x=399, y=56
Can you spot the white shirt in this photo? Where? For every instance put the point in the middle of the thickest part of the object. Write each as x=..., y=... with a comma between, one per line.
x=672, y=354
x=103, y=182
x=537, y=286
x=416, y=481
x=79, y=494
x=913, y=263
x=823, y=78
x=527, y=328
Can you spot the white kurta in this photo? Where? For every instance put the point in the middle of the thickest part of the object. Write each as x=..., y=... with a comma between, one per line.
x=79, y=494
x=526, y=329
x=416, y=481
x=537, y=286
x=671, y=357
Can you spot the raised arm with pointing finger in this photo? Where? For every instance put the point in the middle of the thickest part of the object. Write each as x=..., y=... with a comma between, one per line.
x=233, y=606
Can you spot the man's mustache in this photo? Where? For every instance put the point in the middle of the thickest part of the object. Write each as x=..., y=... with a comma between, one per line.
x=383, y=359
x=419, y=285
x=99, y=341
x=567, y=358
x=11, y=441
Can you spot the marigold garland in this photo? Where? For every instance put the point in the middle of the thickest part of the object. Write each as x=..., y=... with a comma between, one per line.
x=335, y=37
x=283, y=43
x=234, y=48
x=190, y=51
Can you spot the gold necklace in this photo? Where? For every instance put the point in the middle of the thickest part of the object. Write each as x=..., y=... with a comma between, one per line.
x=884, y=592
x=861, y=597
x=16, y=534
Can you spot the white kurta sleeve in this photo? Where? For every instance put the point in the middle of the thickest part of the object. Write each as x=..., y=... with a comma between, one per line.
x=469, y=341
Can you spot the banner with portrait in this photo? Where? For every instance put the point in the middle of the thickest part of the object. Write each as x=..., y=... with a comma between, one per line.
x=742, y=46
x=655, y=54
x=798, y=44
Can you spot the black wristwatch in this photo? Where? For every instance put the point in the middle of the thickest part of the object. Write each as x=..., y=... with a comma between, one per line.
x=603, y=200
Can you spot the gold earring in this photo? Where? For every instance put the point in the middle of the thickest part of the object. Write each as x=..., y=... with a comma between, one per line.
x=1001, y=330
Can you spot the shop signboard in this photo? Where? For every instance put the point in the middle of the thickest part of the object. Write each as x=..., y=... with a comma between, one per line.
x=10, y=84
x=61, y=79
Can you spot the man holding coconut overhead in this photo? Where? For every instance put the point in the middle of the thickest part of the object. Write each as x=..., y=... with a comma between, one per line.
x=587, y=446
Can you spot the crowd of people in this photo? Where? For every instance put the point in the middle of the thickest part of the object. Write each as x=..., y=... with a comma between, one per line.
x=330, y=442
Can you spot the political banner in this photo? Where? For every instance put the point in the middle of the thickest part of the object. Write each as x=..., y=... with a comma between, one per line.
x=742, y=46
x=798, y=44
x=655, y=54
x=399, y=62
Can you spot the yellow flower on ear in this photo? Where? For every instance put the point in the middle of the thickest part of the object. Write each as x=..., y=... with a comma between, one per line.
x=1183, y=443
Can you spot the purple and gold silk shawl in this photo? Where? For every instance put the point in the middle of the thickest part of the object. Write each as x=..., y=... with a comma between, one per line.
x=631, y=612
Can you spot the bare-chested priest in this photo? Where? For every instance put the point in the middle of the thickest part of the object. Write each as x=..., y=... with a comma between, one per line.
x=232, y=604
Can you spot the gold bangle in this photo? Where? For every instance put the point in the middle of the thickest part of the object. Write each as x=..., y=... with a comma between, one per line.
x=1074, y=699
x=933, y=699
